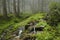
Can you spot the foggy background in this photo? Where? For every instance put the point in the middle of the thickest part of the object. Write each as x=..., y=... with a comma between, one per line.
x=28, y=5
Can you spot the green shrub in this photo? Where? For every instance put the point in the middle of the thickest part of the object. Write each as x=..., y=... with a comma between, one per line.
x=44, y=36
x=54, y=13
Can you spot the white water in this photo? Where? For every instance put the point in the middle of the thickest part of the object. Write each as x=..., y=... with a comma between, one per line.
x=19, y=35
x=20, y=31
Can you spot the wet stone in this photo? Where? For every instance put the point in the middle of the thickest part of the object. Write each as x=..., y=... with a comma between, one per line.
x=29, y=38
x=26, y=27
x=39, y=29
x=10, y=27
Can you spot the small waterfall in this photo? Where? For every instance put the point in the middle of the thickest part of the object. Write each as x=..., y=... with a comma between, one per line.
x=21, y=29
x=34, y=30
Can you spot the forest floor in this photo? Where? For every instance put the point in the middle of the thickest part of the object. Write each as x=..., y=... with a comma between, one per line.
x=9, y=30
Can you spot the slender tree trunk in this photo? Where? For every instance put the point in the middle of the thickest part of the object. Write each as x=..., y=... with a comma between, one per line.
x=42, y=6
x=4, y=9
x=18, y=8
x=38, y=5
x=15, y=11
x=8, y=5
x=22, y=6
x=0, y=6
x=33, y=7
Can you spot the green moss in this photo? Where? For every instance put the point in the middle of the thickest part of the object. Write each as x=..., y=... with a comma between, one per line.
x=21, y=22
x=24, y=22
x=44, y=36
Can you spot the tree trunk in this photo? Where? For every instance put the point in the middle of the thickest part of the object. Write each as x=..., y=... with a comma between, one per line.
x=38, y=5
x=18, y=8
x=4, y=9
x=15, y=11
x=42, y=6
x=8, y=5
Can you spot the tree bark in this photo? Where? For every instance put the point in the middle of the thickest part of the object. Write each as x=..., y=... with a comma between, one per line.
x=8, y=5
x=4, y=9
x=15, y=11
x=18, y=8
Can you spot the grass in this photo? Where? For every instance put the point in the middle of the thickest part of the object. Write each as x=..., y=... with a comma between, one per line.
x=24, y=22
x=49, y=33
x=20, y=23
x=44, y=36
x=4, y=24
x=33, y=17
